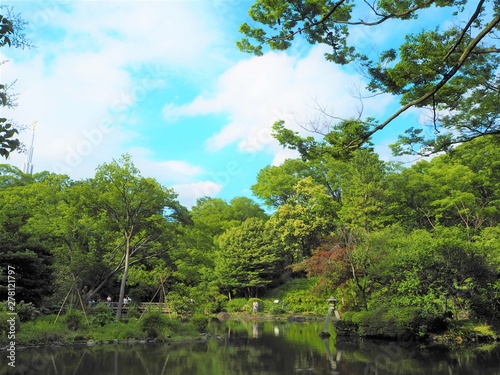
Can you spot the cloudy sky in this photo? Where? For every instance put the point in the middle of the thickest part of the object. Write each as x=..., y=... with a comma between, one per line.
x=164, y=82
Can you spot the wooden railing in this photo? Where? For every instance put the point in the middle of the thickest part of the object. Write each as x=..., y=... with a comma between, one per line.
x=163, y=307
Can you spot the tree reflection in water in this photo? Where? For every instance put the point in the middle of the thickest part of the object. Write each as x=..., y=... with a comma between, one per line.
x=258, y=348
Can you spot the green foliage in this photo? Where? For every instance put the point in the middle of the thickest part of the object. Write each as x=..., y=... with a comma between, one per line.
x=277, y=309
x=117, y=330
x=450, y=70
x=8, y=142
x=74, y=320
x=43, y=331
x=11, y=28
x=5, y=325
x=299, y=296
x=200, y=321
x=248, y=257
x=393, y=322
x=154, y=323
x=27, y=311
x=236, y=305
x=101, y=315
x=181, y=328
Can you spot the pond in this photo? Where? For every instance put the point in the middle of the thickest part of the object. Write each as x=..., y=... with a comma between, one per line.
x=258, y=348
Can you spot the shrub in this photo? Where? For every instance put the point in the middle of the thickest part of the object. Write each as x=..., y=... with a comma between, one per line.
x=277, y=309
x=393, y=322
x=118, y=330
x=42, y=331
x=101, y=315
x=74, y=320
x=237, y=305
x=27, y=312
x=5, y=323
x=200, y=321
x=154, y=323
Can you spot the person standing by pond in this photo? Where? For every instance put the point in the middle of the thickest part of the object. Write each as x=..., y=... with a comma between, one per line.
x=255, y=308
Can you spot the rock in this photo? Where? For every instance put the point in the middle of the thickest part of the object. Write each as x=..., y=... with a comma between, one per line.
x=296, y=319
x=223, y=316
x=324, y=335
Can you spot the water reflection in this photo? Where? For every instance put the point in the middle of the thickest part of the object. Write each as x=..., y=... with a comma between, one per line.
x=258, y=348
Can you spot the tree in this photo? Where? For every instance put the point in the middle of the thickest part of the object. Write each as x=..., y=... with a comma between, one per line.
x=459, y=188
x=362, y=182
x=248, y=257
x=438, y=272
x=452, y=72
x=275, y=184
x=135, y=207
x=194, y=259
x=306, y=216
x=11, y=34
x=32, y=259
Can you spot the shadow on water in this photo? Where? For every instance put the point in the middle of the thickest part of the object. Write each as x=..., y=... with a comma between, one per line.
x=258, y=348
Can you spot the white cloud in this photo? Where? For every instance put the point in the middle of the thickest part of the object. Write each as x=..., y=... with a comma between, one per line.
x=81, y=83
x=258, y=91
x=190, y=192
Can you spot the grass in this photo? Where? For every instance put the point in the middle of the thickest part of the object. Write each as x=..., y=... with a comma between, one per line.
x=45, y=330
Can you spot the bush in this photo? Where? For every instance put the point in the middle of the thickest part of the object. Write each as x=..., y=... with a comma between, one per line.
x=74, y=320
x=277, y=309
x=43, y=331
x=393, y=322
x=180, y=329
x=118, y=330
x=27, y=312
x=200, y=321
x=154, y=323
x=236, y=305
x=101, y=315
x=301, y=296
x=5, y=324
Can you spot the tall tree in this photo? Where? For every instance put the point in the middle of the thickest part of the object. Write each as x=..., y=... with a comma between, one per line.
x=451, y=71
x=460, y=188
x=31, y=258
x=135, y=207
x=248, y=257
x=307, y=216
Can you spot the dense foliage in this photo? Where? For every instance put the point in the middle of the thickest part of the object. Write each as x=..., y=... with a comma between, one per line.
x=448, y=69
x=421, y=242
x=417, y=245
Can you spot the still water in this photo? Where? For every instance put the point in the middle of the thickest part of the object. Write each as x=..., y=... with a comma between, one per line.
x=258, y=348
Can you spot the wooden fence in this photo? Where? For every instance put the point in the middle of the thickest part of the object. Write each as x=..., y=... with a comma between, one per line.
x=163, y=307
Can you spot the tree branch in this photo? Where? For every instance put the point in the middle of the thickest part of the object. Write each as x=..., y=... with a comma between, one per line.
x=437, y=87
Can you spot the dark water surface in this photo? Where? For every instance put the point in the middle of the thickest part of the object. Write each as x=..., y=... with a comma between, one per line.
x=263, y=348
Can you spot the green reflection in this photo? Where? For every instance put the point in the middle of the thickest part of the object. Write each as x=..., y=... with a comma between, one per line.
x=258, y=348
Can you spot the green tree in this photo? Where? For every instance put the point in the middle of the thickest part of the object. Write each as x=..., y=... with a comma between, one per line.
x=135, y=207
x=437, y=272
x=194, y=259
x=32, y=260
x=248, y=258
x=461, y=188
x=362, y=183
x=275, y=184
x=307, y=216
x=11, y=34
x=451, y=71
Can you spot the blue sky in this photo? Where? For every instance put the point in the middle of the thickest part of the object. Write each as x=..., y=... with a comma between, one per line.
x=164, y=82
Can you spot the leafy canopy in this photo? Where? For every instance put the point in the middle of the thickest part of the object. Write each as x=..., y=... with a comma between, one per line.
x=451, y=71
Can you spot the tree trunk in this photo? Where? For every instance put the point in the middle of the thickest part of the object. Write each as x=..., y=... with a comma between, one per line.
x=128, y=238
